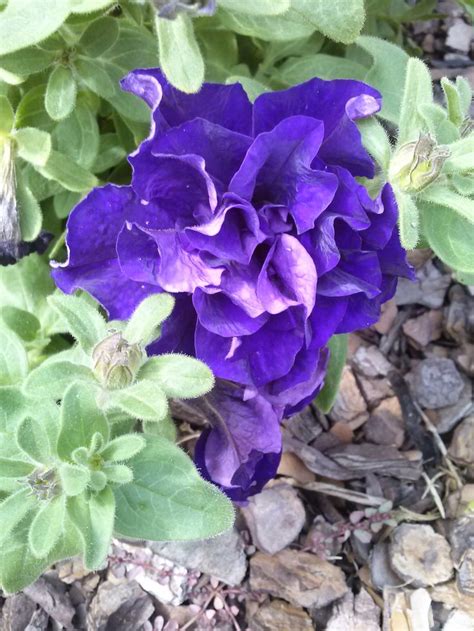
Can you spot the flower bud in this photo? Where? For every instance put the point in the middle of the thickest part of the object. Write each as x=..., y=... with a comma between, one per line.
x=417, y=164
x=116, y=362
x=43, y=484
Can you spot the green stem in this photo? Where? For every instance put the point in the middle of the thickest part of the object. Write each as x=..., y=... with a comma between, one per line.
x=58, y=245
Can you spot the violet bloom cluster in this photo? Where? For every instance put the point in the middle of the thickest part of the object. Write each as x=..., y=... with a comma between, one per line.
x=252, y=217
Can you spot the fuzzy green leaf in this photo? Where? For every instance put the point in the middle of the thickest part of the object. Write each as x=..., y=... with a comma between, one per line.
x=12, y=407
x=33, y=439
x=33, y=145
x=14, y=468
x=80, y=420
x=338, y=349
x=94, y=519
x=387, y=73
x=47, y=527
x=144, y=400
x=168, y=500
x=74, y=479
x=143, y=326
x=376, y=141
x=68, y=173
x=123, y=448
x=7, y=116
x=27, y=61
x=300, y=69
x=83, y=320
x=285, y=27
x=461, y=157
x=88, y=6
x=13, y=358
x=12, y=511
x=23, y=23
x=456, y=112
x=31, y=216
x=95, y=77
x=166, y=428
x=408, y=220
x=252, y=87
x=52, y=378
x=178, y=376
x=118, y=474
x=180, y=56
x=342, y=22
x=61, y=92
x=262, y=7
x=417, y=92
x=22, y=322
x=99, y=36
x=443, y=196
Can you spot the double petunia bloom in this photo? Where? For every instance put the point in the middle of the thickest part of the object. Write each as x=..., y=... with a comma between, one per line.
x=252, y=217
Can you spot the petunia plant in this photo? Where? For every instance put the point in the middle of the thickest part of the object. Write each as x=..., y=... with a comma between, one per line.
x=92, y=456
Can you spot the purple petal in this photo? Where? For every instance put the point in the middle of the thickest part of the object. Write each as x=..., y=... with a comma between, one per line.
x=177, y=332
x=241, y=451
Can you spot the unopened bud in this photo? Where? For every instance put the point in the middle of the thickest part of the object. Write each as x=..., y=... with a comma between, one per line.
x=417, y=164
x=116, y=361
x=43, y=484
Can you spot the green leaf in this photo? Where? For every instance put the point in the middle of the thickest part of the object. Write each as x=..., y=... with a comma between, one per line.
x=465, y=94
x=179, y=376
x=285, y=27
x=143, y=326
x=118, y=474
x=80, y=420
x=12, y=511
x=441, y=195
x=123, y=448
x=33, y=145
x=387, y=73
x=83, y=320
x=408, y=220
x=166, y=428
x=180, y=56
x=61, y=92
x=168, y=500
x=27, y=61
x=253, y=87
x=298, y=70
x=342, y=22
x=417, y=92
x=461, y=157
x=99, y=36
x=64, y=202
x=19, y=568
x=94, y=519
x=32, y=438
x=262, y=7
x=31, y=217
x=78, y=135
x=68, y=173
x=21, y=322
x=47, y=527
x=143, y=400
x=14, y=468
x=12, y=407
x=52, y=378
x=7, y=116
x=74, y=479
x=95, y=77
x=23, y=23
x=376, y=141
x=31, y=111
x=110, y=153
x=88, y=6
x=450, y=236
x=13, y=358
x=338, y=353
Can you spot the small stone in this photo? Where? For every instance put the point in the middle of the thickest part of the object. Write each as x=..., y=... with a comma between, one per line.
x=429, y=289
x=428, y=43
x=375, y=390
x=461, y=448
x=449, y=594
x=370, y=362
x=280, y=616
x=119, y=607
x=385, y=425
x=459, y=621
x=349, y=405
x=461, y=537
x=420, y=555
x=425, y=328
x=16, y=613
x=358, y=613
x=222, y=557
x=446, y=418
x=275, y=517
x=465, y=576
x=387, y=318
x=459, y=315
x=381, y=572
x=437, y=383
x=459, y=36
x=301, y=578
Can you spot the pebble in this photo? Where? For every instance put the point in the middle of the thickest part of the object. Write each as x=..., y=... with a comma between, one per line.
x=301, y=578
x=275, y=518
x=436, y=383
x=461, y=448
x=358, y=613
x=429, y=289
x=222, y=557
x=280, y=616
x=385, y=425
x=381, y=572
x=459, y=36
x=370, y=362
x=419, y=555
x=425, y=328
x=465, y=576
x=119, y=606
x=349, y=406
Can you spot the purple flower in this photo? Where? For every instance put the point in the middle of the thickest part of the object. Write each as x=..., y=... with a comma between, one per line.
x=252, y=216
